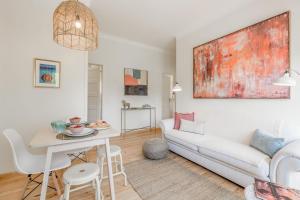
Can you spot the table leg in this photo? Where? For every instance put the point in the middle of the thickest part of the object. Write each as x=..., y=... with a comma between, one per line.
x=46, y=175
x=109, y=166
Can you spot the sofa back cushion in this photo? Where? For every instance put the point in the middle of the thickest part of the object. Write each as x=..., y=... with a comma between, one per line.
x=266, y=143
x=179, y=116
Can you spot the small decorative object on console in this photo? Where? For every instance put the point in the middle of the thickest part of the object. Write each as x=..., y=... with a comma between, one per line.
x=270, y=191
x=125, y=104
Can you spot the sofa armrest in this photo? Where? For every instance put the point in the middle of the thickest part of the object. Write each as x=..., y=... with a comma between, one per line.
x=166, y=125
x=285, y=166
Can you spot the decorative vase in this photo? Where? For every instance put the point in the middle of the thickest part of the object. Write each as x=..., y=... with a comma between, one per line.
x=58, y=126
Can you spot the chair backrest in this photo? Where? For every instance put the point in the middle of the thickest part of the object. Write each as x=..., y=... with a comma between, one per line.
x=20, y=153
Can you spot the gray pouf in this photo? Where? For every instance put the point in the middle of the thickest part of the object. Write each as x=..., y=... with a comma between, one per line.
x=155, y=149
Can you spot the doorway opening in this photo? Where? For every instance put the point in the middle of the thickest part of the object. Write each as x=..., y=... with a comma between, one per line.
x=167, y=96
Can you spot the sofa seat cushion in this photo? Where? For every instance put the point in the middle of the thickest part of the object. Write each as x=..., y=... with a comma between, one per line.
x=187, y=139
x=237, y=155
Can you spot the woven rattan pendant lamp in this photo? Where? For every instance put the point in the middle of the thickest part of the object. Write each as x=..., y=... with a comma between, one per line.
x=75, y=26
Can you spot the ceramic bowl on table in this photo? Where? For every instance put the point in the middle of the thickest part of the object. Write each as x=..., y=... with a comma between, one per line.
x=75, y=120
x=75, y=129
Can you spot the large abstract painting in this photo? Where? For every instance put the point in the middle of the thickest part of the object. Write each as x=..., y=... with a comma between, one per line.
x=244, y=64
x=136, y=82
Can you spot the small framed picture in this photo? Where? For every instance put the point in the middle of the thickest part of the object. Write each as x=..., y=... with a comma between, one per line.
x=46, y=73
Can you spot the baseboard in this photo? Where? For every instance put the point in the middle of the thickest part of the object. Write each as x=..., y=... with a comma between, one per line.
x=8, y=174
x=158, y=131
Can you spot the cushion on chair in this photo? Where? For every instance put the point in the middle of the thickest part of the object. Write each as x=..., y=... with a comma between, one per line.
x=155, y=149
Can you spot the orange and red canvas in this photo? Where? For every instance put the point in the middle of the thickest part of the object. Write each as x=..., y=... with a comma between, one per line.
x=136, y=82
x=244, y=64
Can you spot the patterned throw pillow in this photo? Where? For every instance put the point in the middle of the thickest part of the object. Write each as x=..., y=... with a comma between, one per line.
x=179, y=116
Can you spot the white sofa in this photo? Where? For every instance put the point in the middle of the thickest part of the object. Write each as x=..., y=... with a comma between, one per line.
x=237, y=162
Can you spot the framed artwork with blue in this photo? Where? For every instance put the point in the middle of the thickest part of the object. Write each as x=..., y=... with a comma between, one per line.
x=136, y=82
x=46, y=73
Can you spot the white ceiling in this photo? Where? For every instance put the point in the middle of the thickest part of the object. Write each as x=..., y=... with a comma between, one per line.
x=158, y=22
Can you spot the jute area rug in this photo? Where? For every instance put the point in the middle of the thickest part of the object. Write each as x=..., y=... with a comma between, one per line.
x=167, y=180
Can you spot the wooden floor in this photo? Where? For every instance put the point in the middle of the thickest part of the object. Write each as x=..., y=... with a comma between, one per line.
x=11, y=184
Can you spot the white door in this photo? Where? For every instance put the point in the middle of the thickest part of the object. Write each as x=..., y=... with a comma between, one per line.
x=94, y=92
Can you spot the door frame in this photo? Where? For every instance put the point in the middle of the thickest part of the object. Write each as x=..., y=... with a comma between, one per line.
x=170, y=77
x=100, y=89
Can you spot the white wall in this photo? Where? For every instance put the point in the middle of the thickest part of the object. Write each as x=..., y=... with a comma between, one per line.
x=115, y=54
x=26, y=31
x=237, y=118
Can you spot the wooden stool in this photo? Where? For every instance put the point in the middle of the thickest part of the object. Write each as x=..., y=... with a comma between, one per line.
x=86, y=174
x=115, y=152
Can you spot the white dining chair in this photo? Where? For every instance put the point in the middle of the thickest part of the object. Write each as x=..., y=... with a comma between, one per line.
x=32, y=164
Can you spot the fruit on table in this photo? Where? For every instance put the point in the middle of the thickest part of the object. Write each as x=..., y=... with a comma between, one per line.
x=76, y=128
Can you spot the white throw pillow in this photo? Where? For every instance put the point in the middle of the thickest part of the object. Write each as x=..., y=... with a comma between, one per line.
x=192, y=126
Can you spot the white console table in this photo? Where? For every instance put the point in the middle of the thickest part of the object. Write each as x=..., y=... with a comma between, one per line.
x=152, y=114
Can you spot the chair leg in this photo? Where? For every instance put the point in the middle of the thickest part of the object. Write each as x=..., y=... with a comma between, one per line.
x=98, y=189
x=25, y=186
x=67, y=192
x=123, y=170
x=56, y=185
x=59, y=180
x=94, y=185
x=86, y=157
x=101, y=169
x=116, y=164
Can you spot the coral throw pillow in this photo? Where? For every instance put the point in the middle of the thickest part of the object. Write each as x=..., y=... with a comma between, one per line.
x=179, y=116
